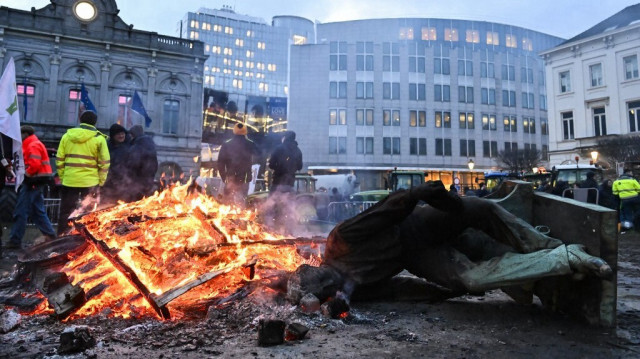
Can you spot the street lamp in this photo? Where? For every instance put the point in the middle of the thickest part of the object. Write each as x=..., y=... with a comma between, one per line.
x=594, y=156
x=471, y=164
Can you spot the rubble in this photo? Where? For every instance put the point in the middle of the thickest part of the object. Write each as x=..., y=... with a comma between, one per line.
x=75, y=339
x=296, y=331
x=270, y=332
x=310, y=303
x=9, y=320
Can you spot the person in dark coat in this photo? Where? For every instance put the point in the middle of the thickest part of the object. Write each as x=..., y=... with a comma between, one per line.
x=607, y=199
x=482, y=191
x=285, y=161
x=590, y=182
x=143, y=164
x=118, y=179
x=234, y=164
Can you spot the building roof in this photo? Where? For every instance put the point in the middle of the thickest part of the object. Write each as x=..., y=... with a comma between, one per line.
x=625, y=17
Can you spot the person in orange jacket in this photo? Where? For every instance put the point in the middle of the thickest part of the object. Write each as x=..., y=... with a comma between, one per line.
x=30, y=202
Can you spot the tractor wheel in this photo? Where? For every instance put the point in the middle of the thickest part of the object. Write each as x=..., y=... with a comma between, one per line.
x=8, y=198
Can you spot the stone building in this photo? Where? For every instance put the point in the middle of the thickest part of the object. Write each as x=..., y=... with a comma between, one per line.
x=69, y=43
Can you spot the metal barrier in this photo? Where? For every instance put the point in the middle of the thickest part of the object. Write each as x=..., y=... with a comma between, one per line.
x=582, y=194
x=52, y=207
x=339, y=211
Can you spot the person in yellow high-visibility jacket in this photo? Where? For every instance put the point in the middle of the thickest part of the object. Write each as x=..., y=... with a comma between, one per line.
x=628, y=189
x=83, y=164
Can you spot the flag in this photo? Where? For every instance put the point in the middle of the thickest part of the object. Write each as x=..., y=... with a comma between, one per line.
x=10, y=118
x=86, y=101
x=138, y=107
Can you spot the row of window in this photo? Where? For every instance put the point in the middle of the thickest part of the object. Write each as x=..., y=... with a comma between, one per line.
x=418, y=146
x=441, y=93
x=599, y=118
x=441, y=119
x=471, y=36
x=596, y=76
x=125, y=117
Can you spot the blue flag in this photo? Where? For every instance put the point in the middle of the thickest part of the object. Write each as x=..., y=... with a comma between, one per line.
x=86, y=101
x=137, y=106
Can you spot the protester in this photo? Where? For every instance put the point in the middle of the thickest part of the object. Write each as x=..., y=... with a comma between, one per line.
x=143, y=164
x=285, y=161
x=483, y=190
x=590, y=182
x=465, y=245
x=627, y=189
x=234, y=164
x=607, y=198
x=453, y=189
x=82, y=164
x=116, y=186
x=30, y=203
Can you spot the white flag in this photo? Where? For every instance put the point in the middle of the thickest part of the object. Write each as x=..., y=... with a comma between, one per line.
x=10, y=118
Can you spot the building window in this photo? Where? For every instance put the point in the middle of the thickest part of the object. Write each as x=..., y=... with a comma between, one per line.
x=487, y=70
x=364, y=56
x=508, y=73
x=527, y=44
x=228, y=30
x=527, y=100
x=337, y=145
x=364, y=90
x=441, y=93
x=543, y=102
x=443, y=119
x=508, y=98
x=489, y=149
x=390, y=56
x=417, y=146
x=170, y=116
x=364, y=117
x=634, y=117
x=417, y=59
x=443, y=147
x=450, y=34
x=526, y=75
x=124, y=111
x=510, y=146
x=529, y=125
x=338, y=89
x=473, y=36
x=406, y=33
x=417, y=92
x=544, y=127
x=510, y=124
x=488, y=96
x=465, y=94
x=465, y=68
x=467, y=148
x=565, y=81
x=364, y=145
x=466, y=120
x=630, y=67
x=489, y=122
x=391, y=90
x=417, y=118
x=26, y=96
x=599, y=121
x=391, y=117
x=595, y=71
x=441, y=64
x=337, y=117
x=429, y=33
x=391, y=145
x=510, y=41
x=240, y=42
x=567, y=125
x=493, y=38
x=73, y=106
x=337, y=56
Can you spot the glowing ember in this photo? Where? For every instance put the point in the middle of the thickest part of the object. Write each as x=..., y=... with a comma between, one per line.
x=170, y=240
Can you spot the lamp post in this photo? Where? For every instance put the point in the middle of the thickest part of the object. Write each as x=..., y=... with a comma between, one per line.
x=594, y=156
x=471, y=164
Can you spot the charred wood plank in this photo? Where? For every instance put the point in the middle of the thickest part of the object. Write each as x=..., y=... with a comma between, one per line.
x=104, y=249
x=66, y=299
x=210, y=227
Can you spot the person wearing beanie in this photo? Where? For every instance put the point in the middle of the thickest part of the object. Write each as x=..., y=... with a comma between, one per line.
x=83, y=164
x=285, y=161
x=116, y=186
x=30, y=202
x=142, y=163
x=234, y=164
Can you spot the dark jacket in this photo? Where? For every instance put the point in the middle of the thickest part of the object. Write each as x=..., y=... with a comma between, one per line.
x=235, y=159
x=119, y=177
x=607, y=199
x=143, y=165
x=590, y=183
x=285, y=161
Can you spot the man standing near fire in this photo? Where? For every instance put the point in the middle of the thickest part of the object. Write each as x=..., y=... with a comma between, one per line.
x=234, y=164
x=285, y=161
x=83, y=164
x=30, y=202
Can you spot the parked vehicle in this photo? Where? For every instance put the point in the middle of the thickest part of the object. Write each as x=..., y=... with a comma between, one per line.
x=574, y=173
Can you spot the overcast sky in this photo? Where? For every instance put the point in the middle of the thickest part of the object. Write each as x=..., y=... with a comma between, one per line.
x=563, y=18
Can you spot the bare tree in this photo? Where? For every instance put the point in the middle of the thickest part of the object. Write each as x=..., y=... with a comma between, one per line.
x=519, y=161
x=620, y=148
